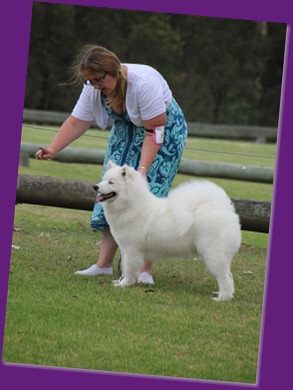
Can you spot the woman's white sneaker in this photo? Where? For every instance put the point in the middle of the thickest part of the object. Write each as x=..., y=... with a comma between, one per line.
x=95, y=270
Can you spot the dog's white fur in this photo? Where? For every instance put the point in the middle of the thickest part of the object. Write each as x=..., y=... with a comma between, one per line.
x=196, y=217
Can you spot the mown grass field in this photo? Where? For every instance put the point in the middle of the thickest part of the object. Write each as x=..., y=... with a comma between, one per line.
x=173, y=328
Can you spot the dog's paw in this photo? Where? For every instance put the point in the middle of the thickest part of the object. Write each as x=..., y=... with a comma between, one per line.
x=123, y=283
x=221, y=298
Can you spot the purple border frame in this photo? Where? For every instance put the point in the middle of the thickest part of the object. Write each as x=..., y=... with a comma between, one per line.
x=274, y=371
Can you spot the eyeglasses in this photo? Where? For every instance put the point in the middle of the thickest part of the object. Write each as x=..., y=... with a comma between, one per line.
x=96, y=81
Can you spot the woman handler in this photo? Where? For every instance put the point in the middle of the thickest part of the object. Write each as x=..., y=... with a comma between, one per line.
x=149, y=132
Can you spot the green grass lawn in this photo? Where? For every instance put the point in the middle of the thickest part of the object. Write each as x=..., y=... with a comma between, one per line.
x=173, y=328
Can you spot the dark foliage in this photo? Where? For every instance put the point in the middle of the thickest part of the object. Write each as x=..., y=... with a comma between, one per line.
x=220, y=70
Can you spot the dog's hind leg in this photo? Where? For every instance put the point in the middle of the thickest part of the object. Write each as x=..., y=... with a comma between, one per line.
x=220, y=268
x=226, y=287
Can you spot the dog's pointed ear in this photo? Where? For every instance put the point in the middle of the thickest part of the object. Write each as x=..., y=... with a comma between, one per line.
x=124, y=170
x=111, y=164
x=127, y=171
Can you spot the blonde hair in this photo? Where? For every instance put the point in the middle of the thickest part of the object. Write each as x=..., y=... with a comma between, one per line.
x=97, y=59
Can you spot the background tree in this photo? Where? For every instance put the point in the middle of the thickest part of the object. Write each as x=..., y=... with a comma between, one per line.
x=220, y=70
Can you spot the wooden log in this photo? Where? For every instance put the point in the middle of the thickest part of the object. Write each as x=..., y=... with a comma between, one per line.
x=69, y=154
x=56, y=192
x=258, y=133
x=254, y=215
x=24, y=160
x=187, y=166
x=203, y=130
x=78, y=194
x=43, y=116
x=227, y=171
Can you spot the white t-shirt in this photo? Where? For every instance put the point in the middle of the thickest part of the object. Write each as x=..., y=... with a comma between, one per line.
x=147, y=96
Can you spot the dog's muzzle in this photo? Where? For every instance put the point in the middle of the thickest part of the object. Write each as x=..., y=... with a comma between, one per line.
x=102, y=197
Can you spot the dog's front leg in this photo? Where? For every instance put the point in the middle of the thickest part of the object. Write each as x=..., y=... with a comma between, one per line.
x=132, y=264
x=120, y=269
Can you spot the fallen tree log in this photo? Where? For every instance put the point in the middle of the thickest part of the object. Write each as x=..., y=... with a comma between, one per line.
x=79, y=194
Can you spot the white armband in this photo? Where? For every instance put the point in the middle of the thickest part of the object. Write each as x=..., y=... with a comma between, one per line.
x=158, y=135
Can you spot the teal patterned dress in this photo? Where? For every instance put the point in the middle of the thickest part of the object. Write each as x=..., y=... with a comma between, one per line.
x=124, y=147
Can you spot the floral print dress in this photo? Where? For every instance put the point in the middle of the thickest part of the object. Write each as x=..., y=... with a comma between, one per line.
x=125, y=145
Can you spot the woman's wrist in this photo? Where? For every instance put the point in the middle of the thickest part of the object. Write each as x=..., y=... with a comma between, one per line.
x=52, y=150
x=143, y=171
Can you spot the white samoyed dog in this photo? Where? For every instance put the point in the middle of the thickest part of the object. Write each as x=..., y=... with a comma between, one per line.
x=197, y=217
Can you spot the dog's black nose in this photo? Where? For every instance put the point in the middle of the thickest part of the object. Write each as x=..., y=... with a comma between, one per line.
x=96, y=187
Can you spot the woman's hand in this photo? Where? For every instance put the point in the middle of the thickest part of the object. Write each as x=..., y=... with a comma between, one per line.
x=70, y=130
x=45, y=153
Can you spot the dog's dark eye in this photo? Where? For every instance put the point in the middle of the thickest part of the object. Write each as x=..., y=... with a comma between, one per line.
x=111, y=182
